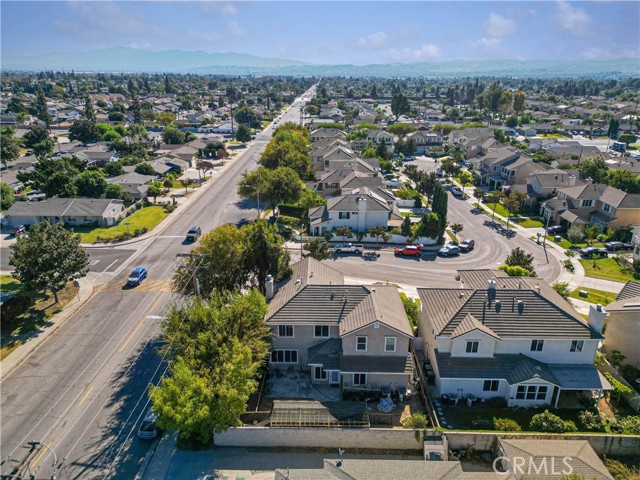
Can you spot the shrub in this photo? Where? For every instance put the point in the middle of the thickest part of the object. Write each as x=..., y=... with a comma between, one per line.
x=590, y=420
x=630, y=425
x=547, y=422
x=515, y=270
x=570, y=427
x=569, y=253
x=506, y=425
x=497, y=402
x=620, y=390
x=395, y=231
x=169, y=208
x=168, y=183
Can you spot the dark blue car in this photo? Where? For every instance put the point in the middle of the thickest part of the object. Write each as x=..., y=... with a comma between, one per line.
x=137, y=276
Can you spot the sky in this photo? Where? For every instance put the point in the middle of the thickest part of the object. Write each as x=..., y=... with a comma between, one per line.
x=331, y=32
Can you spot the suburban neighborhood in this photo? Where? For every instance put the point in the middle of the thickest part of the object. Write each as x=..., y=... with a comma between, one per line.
x=392, y=265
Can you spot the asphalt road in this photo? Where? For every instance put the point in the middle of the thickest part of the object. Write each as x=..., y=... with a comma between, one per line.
x=103, y=259
x=83, y=392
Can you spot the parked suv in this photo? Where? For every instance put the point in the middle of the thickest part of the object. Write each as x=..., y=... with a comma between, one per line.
x=467, y=245
x=349, y=248
x=193, y=234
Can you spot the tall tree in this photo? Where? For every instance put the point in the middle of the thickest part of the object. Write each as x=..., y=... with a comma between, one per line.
x=38, y=139
x=55, y=177
x=91, y=183
x=518, y=257
x=518, y=102
x=281, y=185
x=594, y=168
x=494, y=197
x=89, y=112
x=399, y=105
x=7, y=197
x=624, y=180
x=265, y=255
x=318, y=249
x=9, y=148
x=430, y=226
x=427, y=184
x=84, y=131
x=48, y=257
x=244, y=133
x=42, y=108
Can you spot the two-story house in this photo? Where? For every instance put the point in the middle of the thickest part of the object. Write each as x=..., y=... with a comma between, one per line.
x=338, y=150
x=508, y=337
x=360, y=210
x=324, y=132
x=504, y=166
x=593, y=204
x=345, y=179
x=623, y=324
x=351, y=336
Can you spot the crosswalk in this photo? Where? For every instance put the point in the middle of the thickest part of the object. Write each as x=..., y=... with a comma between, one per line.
x=145, y=286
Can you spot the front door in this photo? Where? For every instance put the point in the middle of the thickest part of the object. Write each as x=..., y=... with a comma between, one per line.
x=334, y=377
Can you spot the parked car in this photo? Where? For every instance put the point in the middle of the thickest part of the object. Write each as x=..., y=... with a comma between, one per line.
x=588, y=252
x=456, y=191
x=449, y=251
x=356, y=248
x=408, y=251
x=19, y=230
x=618, y=246
x=194, y=233
x=556, y=229
x=390, y=176
x=148, y=429
x=136, y=277
x=409, y=159
x=394, y=183
x=467, y=245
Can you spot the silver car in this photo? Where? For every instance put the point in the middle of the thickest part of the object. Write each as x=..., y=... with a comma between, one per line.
x=148, y=429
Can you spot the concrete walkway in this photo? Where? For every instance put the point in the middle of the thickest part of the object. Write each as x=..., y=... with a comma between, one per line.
x=21, y=353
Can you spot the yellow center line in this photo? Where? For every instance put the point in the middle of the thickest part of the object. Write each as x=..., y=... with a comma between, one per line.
x=140, y=323
x=44, y=450
x=85, y=395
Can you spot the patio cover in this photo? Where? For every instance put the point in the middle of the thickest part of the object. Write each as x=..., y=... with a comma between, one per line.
x=579, y=377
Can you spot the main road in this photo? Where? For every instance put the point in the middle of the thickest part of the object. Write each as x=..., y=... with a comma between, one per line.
x=83, y=392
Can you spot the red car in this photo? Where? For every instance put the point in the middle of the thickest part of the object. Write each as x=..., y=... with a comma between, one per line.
x=408, y=251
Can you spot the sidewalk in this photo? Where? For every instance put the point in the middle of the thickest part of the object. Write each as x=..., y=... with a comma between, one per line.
x=21, y=353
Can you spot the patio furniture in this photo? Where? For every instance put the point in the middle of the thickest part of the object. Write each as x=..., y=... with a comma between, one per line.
x=386, y=405
x=470, y=400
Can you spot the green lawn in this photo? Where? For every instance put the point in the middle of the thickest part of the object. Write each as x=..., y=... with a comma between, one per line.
x=468, y=184
x=595, y=296
x=606, y=269
x=9, y=284
x=500, y=210
x=552, y=135
x=566, y=244
x=148, y=217
x=528, y=222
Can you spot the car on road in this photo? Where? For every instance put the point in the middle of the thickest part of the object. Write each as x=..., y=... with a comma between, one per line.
x=467, y=245
x=148, y=429
x=136, y=277
x=356, y=248
x=588, y=252
x=615, y=245
x=408, y=251
x=556, y=229
x=449, y=251
x=456, y=191
x=194, y=233
x=19, y=230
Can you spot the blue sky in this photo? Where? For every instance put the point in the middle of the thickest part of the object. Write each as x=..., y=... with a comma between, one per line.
x=331, y=32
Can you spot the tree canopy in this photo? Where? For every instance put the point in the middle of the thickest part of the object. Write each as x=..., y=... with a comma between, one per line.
x=280, y=185
x=9, y=147
x=84, y=131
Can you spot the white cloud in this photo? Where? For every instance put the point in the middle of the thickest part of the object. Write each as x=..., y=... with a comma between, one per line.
x=236, y=30
x=487, y=44
x=574, y=20
x=499, y=26
x=375, y=41
x=425, y=52
x=205, y=36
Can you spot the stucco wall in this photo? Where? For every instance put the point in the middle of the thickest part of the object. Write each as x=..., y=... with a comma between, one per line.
x=623, y=332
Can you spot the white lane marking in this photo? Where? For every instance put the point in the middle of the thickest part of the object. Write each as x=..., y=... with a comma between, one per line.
x=111, y=264
x=94, y=262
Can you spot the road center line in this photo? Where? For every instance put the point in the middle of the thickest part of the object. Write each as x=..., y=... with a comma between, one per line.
x=86, y=395
x=44, y=450
x=135, y=330
x=111, y=264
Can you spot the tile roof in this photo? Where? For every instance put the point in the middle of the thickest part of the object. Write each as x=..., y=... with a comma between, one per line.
x=470, y=323
x=630, y=289
x=383, y=305
x=584, y=461
x=628, y=299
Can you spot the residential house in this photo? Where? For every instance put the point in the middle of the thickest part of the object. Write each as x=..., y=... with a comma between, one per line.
x=425, y=140
x=509, y=337
x=534, y=129
x=351, y=336
x=593, y=204
x=504, y=166
x=361, y=209
x=71, y=211
x=545, y=184
x=335, y=151
x=623, y=324
x=135, y=184
x=324, y=133
x=380, y=136
x=462, y=136
x=343, y=180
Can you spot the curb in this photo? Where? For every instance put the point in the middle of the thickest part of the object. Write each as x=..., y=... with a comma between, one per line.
x=20, y=354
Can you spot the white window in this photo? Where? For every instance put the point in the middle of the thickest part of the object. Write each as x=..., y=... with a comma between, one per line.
x=586, y=203
x=361, y=344
x=490, y=385
x=532, y=392
x=284, y=356
x=472, y=346
x=344, y=215
x=321, y=331
x=606, y=207
x=285, y=331
x=319, y=373
x=389, y=344
x=537, y=345
x=360, y=379
x=576, y=345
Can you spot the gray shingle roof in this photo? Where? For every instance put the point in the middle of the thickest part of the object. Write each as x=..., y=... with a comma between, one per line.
x=58, y=207
x=375, y=364
x=630, y=289
x=382, y=305
x=327, y=354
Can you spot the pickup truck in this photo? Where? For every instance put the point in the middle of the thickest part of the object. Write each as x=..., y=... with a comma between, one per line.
x=356, y=248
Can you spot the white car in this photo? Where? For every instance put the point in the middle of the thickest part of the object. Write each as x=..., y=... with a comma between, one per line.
x=457, y=191
x=394, y=183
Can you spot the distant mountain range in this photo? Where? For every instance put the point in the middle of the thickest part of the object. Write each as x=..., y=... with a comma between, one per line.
x=179, y=61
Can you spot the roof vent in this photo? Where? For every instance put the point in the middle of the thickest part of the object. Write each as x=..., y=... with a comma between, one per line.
x=332, y=296
x=520, y=306
x=498, y=306
x=461, y=295
x=538, y=288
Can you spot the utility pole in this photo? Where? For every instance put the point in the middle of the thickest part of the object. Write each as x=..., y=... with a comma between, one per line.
x=193, y=256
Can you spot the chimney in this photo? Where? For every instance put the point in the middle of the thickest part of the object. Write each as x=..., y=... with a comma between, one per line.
x=269, y=287
x=298, y=282
x=520, y=307
x=492, y=287
x=498, y=306
x=596, y=318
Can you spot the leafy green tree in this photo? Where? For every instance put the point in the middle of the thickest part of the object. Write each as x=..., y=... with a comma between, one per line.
x=518, y=102
x=590, y=233
x=399, y=105
x=440, y=204
x=244, y=133
x=624, y=180
x=173, y=136
x=465, y=178
x=265, y=253
x=511, y=121
x=245, y=115
x=89, y=112
x=427, y=184
x=91, y=183
x=55, y=177
x=154, y=191
x=117, y=117
x=165, y=118
x=48, y=257
x=318, y=249
x=562, y=288
x=519, y=258
x=9, y=148
x=292, y=153
x=280, y=185
x=39, y=140
x=594, y=168
x=614, y=126
x=512, y=204
x=628, y=138
x=42, y=111
x=84, y=131
x=144, y=168
x=430, y=226
x=378, y=232
x=479, y=194
x=7, y=197
x=401, y=129
x=574, y=235
x=113, y=169
x=343, y=232
x=494, y=197
x=381, y=150
x=114, y=190
x=405, y=228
